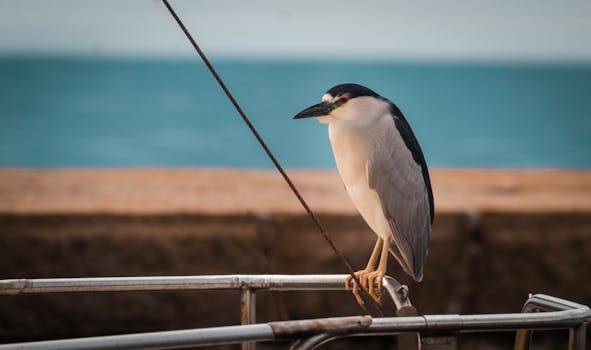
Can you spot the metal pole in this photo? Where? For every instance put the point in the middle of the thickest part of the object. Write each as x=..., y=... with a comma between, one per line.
x=339, y=326
x=399, y=294
x=576, y=338
x=471, y=323
x=205, y=336
x=158, y=283
x=248, y=313
x=156, y=340
x=522, y=339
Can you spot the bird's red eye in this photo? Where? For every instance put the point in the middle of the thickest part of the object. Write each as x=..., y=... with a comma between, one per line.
x=344, y=100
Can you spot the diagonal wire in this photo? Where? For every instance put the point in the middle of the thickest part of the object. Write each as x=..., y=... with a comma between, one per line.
x=268, y=151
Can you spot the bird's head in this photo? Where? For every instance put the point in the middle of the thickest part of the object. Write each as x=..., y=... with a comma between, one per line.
x=345, y=102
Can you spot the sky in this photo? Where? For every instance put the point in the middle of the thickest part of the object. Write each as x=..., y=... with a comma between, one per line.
x=464, y=30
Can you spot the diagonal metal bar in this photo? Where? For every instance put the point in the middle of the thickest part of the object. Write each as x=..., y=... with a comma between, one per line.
x=335, y=327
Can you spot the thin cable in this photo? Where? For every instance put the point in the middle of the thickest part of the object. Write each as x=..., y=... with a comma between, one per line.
x=268, y=151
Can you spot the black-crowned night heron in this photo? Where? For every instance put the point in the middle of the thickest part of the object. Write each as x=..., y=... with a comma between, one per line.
x=385, y=174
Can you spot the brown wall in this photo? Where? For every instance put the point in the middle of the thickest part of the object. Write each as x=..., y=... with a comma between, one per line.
x=497, y=237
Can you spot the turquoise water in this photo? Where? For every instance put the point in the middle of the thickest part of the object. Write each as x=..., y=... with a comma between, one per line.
x=58, y=112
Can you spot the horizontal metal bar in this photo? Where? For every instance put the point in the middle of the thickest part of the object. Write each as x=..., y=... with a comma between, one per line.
x=489, y=322
x=561, y=314
x=563, y=319
x=393, y=288
x=157, y=283
x=260, y=332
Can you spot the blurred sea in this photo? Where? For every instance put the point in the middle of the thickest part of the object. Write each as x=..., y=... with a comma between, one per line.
x=74, y=111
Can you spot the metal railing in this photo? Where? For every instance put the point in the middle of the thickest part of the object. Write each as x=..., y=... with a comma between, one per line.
x=557, y=314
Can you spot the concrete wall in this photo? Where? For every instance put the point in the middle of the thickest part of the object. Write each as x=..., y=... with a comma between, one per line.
x=498, y=235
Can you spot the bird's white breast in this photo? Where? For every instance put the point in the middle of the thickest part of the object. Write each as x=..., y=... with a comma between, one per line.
x=353, y=140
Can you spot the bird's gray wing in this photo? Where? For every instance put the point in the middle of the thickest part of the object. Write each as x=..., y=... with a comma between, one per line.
x=405, y=194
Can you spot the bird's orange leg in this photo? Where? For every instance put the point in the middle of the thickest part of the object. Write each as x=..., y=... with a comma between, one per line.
x=379, y=273
x=363, y=274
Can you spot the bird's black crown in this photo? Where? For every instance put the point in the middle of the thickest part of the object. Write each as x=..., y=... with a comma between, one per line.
x=354, y=90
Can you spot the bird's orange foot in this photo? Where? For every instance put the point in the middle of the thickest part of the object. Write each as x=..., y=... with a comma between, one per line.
x=367, y=280
x=371, y=279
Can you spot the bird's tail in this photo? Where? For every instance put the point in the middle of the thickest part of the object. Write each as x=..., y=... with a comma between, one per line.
x=415, y=271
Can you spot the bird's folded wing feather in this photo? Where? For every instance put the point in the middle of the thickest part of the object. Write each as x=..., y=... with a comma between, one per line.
x=398, y=179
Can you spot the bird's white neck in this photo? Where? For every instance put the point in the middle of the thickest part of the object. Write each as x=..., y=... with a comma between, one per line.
x=353, y=132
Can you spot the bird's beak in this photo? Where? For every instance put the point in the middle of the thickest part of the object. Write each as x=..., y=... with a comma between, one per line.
x=317, y=110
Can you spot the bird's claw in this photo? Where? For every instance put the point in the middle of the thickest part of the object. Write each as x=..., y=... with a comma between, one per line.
x=367, y=280
x=371, y=278
x=360, y=276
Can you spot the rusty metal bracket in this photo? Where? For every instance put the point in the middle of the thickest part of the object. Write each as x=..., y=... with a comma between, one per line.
x=332, y=326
